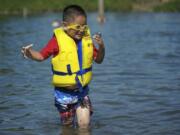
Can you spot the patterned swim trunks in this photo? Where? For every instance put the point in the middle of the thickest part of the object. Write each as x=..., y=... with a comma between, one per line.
x=68, y=102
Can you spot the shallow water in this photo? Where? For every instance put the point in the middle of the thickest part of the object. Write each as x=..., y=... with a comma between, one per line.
x=136, y=91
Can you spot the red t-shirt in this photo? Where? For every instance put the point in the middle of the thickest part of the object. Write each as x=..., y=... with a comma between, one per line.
x=52, y=49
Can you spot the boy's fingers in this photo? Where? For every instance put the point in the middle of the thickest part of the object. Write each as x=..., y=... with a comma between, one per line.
x=98, y=39
x=24, y=55
x=97, y=35
x=22, y=50
x=27, y=47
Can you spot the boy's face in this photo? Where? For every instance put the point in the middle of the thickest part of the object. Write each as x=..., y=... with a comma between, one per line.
x=77, y=27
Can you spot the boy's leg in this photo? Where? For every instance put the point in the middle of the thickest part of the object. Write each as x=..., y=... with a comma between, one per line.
x=83, y=113
x=67, y=113
x=83, y=116
x=67, y=117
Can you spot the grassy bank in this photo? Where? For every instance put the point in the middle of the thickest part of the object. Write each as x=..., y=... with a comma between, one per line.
x=37, y=6
x=13, y=7
x=172, y=6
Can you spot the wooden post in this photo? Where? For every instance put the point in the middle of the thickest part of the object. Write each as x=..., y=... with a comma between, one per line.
x=101, y=17
x=25, y=12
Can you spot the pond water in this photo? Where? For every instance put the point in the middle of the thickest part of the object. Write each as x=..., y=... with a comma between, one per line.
x=135, y=91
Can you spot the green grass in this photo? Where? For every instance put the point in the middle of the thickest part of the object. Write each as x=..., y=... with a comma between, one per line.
x=118, y=5
x=37, y=6
x=173, y=6
x=33, y=5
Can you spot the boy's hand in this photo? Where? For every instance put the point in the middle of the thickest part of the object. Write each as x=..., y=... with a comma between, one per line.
x=101, y=50
x=98, y=39
x=26, y=51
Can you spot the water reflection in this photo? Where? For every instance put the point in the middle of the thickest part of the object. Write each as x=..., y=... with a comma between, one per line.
x=65, y=130
x=134, y=91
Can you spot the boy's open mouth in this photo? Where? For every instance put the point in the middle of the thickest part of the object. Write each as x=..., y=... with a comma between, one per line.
x=79, y=34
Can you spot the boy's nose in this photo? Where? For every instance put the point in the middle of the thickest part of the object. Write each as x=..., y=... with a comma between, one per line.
x=81, y=30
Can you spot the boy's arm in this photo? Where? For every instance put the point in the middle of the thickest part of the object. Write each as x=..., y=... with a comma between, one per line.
x=28, y=52
x=50, y=49
x=101, y=51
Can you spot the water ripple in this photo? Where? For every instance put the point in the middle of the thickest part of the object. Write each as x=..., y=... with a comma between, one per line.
x=5, y=71
x=135, y=91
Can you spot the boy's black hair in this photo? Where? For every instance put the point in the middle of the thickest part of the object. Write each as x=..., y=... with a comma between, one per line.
x=71, y=11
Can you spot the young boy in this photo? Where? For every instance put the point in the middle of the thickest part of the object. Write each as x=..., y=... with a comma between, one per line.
x=73, y=54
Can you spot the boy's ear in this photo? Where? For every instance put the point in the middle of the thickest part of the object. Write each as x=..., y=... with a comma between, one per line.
x=64, y=23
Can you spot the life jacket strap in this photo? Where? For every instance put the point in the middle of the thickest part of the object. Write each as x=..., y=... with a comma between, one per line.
x=69, y=69
x=70, y=73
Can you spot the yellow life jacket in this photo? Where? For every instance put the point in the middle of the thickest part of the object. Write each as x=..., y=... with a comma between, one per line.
x=66, y=66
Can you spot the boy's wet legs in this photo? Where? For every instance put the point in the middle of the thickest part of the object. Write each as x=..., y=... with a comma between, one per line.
x=67, y=113
x=83, y=117
x=83, y=113
x=67, y=118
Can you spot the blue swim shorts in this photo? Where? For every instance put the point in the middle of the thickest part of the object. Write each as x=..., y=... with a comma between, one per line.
x=67, y=102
